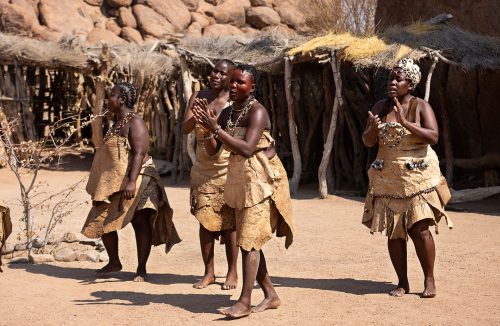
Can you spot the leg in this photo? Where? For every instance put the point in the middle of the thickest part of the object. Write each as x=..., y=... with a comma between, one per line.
x=397, y=251
x=426, y=252
x=271, y=299
x=232, y=259
x=207, y=252
x=243, y=307
x=143, y=239
x=110, y=241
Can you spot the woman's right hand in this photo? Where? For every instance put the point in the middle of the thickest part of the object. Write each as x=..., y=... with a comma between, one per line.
x=373, y=121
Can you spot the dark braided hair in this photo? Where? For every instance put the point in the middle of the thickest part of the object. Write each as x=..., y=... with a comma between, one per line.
x=128, y=92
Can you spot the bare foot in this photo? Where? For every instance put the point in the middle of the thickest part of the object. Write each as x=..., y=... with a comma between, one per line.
x=231, y=281
x=429, y=288
x=400, y=290
x=140, y=277
x=238, y=310
x=110, y=268
x=267, y=303
x=205, y=281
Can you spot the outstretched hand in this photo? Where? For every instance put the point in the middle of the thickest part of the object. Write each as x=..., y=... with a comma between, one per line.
x=398, y=109
x=373, y=120
x=205, y=117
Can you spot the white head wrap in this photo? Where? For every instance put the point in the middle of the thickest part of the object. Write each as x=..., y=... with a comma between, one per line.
x=411, y=70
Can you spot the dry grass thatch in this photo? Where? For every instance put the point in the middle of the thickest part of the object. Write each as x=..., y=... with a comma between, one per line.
x=469, y=50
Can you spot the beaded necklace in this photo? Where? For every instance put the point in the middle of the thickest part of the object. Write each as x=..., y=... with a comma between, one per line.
x=389, y=139
x=232, y=125
x=119, y=126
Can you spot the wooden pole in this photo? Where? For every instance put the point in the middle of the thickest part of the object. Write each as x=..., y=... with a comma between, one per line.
x=187, y=80
x=443, y=109
x=323, y=189
x=100, y=95
x=435, y=60
x=297, y=163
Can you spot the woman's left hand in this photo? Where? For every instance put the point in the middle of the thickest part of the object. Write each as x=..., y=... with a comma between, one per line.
x=129, y=190
x=398, y=109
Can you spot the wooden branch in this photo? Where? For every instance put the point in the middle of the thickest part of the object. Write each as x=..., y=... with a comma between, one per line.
x=194, y=54
x=439, y=19
x=435, y=60
x=466, y=195
x=297, y=163
x=437, y=53
x=187, y=80
x=323, y=188
x=443, y=109
x=100, y=95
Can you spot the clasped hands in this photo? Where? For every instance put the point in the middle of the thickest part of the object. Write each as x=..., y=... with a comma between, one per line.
x=374, y=120
x=204, y=116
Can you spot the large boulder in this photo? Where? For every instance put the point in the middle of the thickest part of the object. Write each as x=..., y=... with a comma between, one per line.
x=280, y=30
x=174, y=11
x=260, y=17
x=97, y=3
x=202, y=19
x=18, y=17
x=194, y=30
x=119, y=3
x=65, y=254
x=41, y=258
x=66, y=16
x=112, y=25
x=126, y=17
x=258, y=3
x=291, y=16
x=192, y=5
x=99, y=35
x=230, y=12
x=152, y=23
x=131, y=35
x=221, y=30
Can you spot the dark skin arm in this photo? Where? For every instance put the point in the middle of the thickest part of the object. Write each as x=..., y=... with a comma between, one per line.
x=258, y=121
x=138, y=137
x=425, y=126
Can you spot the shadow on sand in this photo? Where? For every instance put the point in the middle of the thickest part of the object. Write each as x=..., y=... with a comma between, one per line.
x=87, y=276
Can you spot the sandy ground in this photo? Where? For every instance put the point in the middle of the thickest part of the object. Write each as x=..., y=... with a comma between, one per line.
x=334, y=273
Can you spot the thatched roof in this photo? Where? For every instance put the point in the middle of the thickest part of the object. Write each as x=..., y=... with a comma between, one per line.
x=468, y=50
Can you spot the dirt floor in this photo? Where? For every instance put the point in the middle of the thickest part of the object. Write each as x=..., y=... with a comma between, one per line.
x=334, y=273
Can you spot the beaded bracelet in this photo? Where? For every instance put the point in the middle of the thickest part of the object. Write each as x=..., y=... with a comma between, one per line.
x=210, y=136
x=216, y=132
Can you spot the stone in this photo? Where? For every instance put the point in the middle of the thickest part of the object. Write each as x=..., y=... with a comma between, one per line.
x=205, y=7
x=174, y=11
x=7, y=248
x=202, y=19
x=291, y=16
x=260, y=17
x=150, y=22
x=119, y=3
x=66, y=255
x=193, y=30
x=41, y=258
x=246, y=4
x=113, y=12
x=20, y=247
x=131, y=35
x=126, y=18
x=192, y=5
x=259, y=3
x=251, y=32
x=112, y=26
x=90, y=255
x=103, y=257
x=18, y=17
x=230, y=12
x=37, y=242
x=71, y=237
x=97, y=3
x=88, y=241
x=281, y=30
x=19, y=260
x=66, y=16
x=100, y=247
x=221, y=30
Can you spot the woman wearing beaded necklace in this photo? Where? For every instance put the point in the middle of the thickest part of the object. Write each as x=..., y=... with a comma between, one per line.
x=256, y=186
x=406, y=193
x=124, y=186
x=208, y=177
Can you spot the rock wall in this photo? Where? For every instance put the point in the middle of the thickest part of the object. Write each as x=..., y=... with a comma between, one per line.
x=137, y=21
